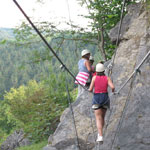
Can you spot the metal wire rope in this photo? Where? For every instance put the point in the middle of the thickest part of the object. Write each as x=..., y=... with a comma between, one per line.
x=68, y=7
x=110, y=67
x=133, y=76
x=72, y=112
x=123, y=85
x=75, y=42
x=117, y=42
x=47, y=44
x=44, y=40
x=123, y=112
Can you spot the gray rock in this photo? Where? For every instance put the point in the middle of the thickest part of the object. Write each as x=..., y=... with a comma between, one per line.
x=133, y=12
x=50, y=139
x=49, y=147
x=132, y=134
x=82, y=109
x=15, y=140
x=69, y=144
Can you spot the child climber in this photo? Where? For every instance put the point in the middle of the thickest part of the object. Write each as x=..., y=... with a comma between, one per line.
x=100, y=102
x=91, y=60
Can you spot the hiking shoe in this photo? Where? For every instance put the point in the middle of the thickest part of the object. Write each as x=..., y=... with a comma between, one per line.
x=99, y=138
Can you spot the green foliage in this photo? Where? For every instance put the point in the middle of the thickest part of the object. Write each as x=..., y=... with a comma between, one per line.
x=36, y=107
x=3, y=136
x=17, y=67
x=27, y=58
x=104, y=15
x=3, y=42
x=147, y=5
x=36, y=146
x=74, y=94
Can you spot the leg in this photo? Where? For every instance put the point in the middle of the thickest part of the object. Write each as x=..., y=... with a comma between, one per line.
x=100, y=120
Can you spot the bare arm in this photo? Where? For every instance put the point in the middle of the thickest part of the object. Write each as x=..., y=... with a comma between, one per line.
x=88, y=65
x=92, y=84
x=111, y=85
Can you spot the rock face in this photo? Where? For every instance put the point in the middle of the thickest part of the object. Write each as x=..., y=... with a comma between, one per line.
x=15, y=140
x=64, y=137
x=129, y=119
x=133, y=13
x=132, y=133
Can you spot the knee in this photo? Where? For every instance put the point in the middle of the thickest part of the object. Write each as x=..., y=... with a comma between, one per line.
x=100, y=117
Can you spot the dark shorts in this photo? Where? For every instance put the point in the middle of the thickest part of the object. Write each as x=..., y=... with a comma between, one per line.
x=100, y=100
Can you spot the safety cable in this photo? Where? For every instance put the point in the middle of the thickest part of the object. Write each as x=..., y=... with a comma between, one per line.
x=68, y=7
x=75, y=43
x=112, y=63
x=136, y=69
x=133, y=76
x=123, y=112
x=110, y=66
x=117, y=42
x=47, y=44
x=72, y=112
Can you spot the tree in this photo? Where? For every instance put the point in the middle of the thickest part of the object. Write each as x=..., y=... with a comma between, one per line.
x=35, y=108
x=104, y=15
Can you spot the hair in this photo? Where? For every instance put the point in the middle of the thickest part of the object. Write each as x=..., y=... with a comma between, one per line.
x=100, y=73
x=102, y=62
x=85, y=56
x=91, y=60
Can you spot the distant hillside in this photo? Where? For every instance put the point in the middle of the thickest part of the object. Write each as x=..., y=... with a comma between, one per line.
x=20, y=63
x=6, y=33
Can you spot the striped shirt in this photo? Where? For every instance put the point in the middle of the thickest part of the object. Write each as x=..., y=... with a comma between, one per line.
x=82, y=78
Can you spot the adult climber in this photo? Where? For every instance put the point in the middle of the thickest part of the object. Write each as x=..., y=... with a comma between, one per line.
x=100, y=102
x=85, y=69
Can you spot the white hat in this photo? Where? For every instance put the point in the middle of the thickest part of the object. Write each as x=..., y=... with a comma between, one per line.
x=84, y=52
x=91, y=58
x=100, y=67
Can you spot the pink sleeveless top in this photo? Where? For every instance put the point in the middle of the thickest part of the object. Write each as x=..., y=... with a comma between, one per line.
x=101, y=84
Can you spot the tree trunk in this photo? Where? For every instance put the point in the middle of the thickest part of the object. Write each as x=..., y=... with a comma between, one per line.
x=101, y=44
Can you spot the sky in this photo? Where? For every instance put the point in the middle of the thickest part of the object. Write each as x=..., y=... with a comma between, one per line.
x=52, y=11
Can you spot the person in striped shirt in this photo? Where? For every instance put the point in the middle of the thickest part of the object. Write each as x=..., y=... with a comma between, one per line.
x=85, y=69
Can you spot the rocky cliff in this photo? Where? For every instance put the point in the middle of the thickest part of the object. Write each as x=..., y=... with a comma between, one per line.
x=129, y=119
x=15, y=140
